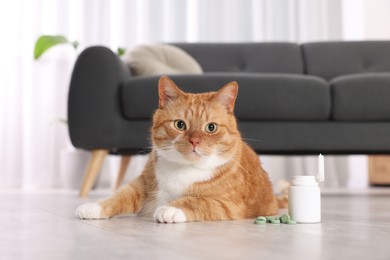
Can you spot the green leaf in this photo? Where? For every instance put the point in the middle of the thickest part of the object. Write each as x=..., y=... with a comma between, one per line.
x=75, y=44
x=121, y=51
x=45, y=42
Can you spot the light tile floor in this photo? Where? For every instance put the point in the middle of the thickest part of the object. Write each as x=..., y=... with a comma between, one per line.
x=41, y=226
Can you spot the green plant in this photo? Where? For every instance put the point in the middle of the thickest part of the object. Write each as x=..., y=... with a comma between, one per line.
x=45, y=42
x=120, y=51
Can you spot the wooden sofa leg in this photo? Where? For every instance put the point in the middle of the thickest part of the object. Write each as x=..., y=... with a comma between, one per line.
x=95, y=164
x=125, y=160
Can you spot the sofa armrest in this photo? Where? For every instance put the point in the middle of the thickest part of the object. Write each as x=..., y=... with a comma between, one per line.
x=94, y=112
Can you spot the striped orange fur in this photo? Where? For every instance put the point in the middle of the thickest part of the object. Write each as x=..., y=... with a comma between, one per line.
x=199, y=168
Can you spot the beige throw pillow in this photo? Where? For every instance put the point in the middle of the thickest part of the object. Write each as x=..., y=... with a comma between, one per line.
x=158, y=59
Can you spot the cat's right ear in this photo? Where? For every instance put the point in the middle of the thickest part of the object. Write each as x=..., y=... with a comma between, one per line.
x=167, y=91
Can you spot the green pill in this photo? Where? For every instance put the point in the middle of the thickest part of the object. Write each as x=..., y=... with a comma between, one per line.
x=284, y=218
x=275, y=221
x=269, y=218
x=261, y=218
x=259, y=222
x=291, y=222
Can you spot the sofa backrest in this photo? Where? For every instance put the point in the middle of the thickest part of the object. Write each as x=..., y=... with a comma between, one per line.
x=331, y=59
x=246, y=57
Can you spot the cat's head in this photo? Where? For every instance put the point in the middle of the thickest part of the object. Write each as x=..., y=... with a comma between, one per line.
x=195, y=129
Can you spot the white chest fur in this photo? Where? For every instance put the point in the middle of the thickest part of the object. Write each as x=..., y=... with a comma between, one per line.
x=173, y=179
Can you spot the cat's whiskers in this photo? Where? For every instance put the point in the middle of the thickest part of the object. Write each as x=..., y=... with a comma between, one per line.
x=243, y=138
x=231, y=159
x=252, y=140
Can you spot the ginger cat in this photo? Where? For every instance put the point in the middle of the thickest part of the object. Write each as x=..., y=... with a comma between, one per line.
x=199, y=167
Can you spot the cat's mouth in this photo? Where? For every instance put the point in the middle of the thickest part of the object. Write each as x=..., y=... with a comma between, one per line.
x=194, y=155
x=195, y=152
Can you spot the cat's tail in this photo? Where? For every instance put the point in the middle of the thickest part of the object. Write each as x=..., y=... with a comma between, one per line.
x=282, y=198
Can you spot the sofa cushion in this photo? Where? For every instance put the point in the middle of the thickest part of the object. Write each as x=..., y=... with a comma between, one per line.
x=260, y=96
x=361, y=97
x=246, y=57
x=329, y=137
x=331, y=59
x=159, y=59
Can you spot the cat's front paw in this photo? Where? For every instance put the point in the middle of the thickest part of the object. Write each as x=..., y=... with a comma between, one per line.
x=89, y=211
x=167, y=214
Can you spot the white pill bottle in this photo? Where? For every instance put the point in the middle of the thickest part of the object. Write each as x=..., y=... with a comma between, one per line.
x=304, y=201
x=304, y=196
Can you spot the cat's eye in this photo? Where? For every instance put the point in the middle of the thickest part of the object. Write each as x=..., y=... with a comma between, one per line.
x=180, y=125
x=211, y=127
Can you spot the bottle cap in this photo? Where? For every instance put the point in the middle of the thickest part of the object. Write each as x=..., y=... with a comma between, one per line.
x=304, y=180
x=321, y=169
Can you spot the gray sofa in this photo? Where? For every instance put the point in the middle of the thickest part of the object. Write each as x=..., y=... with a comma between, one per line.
x=324, y=97
x=329, y=97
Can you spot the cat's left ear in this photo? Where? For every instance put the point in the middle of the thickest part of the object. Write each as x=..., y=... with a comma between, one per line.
x=227, y=96
x=167, y=91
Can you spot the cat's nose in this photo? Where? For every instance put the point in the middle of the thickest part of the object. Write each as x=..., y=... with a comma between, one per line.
x=195, y=141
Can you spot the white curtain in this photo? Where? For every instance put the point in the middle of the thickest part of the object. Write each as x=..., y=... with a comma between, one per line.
x=33, y=94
